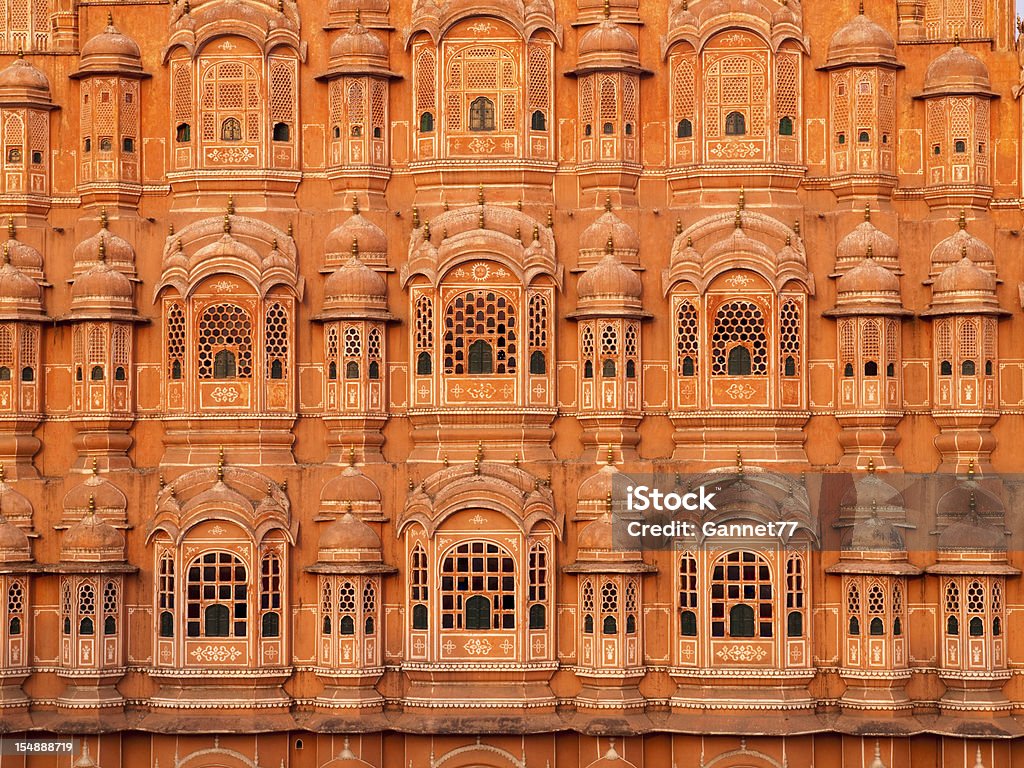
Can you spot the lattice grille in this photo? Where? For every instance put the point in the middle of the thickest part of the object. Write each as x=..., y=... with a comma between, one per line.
x=216, y=580
x=609, y=598
x=997, y=598
x=967, y=339
x=539, y=74
x=175, y=339
x=369, y=599
x=15, y=599
x=373, y=345
x=29, y=347
x=225, y=327
x=347, y=598
x=876, y=601
x=478, y=568
x=789, y=331
x=121, y=346
x=424, y=323
x=110, y=601
x=588, y=596
x=426, y=72
x=853, y=599
x=682, y=89
x=686, y=339
x=870, y=341
x=129, y=108
x=538, y=576
x=609, y=99
x=104, y=108
x=630, y=340
x=7, y=346
x=282, y=92
x=847, y=340
x=739, y=323
x=336, y=102
x=86, y=599
x=587, y=343
x=795, y=582
x=166, y=582
x=975, y=597
x=353, y=342
x=631, y=601
x=990, y=338
x=356, y=102
x=276, y=330
x=943, y=340
x=840, y=107
x=897, y=599
x=952, y=597
x=377, y=105
x=97, y=346
x=270, y=582
x=418, y=575
x=629, y=99
x=609, y=340
x=741, y=578
x=892, y=331
x=587, y=100
x=786, y=86
x=687, y=582
x=480, y=315
x=538, y=322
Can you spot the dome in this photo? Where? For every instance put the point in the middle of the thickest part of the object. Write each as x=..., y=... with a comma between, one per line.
x=117, y=251
x=22, y=255
x=972, y=533
x=110, y=51
x=855, y=244
x=14, y=505
x=594, y=239
x=871, y=493
x=608, y=46
x=92, y=539
x=609, y=278
x=965, y=286
x=18, y=291
x=595, y=491
x=861, y=41
x=597, y=535
x=867, y=285
x=348, y=538
x=957, y=72
x=874, y=534
x=350, y=487
x=21, y=81
x=354, y=287
x=960, y=243
x=359, y=47
x=370, y=239
x=99, y=492
x=101, y=287
x=14, y=546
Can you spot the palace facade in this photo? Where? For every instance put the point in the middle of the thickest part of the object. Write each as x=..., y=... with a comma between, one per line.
x=328, y=329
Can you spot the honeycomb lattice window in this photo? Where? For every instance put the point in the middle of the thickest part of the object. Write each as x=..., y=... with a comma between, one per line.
x=346, y=608
x=6, y=352
x=876, y=600
x=216, y=596
x=789, y=339
x=426, y=72
x=111, y=608
x=739, y=325
x=369, y=607
x=326, y=608
x=975, y=597
x=86, y=609
x=424, y=328
x=538, y=322
x=478, y=587
x=276, y=341
x=686, y=339
x=632, y=602
x=373, y=353
x=65, y=605
x=225, y=328
x=480, y=316
x=897, y=599
x=15, y=608
x=741, y=596
x=609, y=340
x=853, y=599
x=952, y=597
x=609, y=608
x=331, y=352
x=587, y=352
x=29, y=352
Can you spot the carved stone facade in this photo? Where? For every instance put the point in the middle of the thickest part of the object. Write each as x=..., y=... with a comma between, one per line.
x=329, y=330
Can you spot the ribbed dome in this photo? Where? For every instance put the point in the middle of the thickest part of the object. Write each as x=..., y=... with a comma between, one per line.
x=855, y=244
x=609, y=40
x=92, y=539
x=371, y=240
x=972, y=533
x=101, y=288
x=597, y=535
x=874, y=534
x=956, y=246
x=595, y=491
x=594, y=238
x=964, y=277
x=18, y=291
x=14, y=546
x=868, y=277
x=609, y=278
x=97, y=491
x=14, y=505
x=360, y=46
x=354, y=282
x=348, y=532
x=117, y=251
x=957, y=71
x=22, y=255
x=110, y=51
x=20, y=80
x=351, y=486
x=861, y=41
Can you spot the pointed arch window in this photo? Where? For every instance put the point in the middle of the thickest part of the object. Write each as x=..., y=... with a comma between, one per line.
x=741, y=596
x=231, y=129
x=216, y=596
x=478, y=577
x=735, y=124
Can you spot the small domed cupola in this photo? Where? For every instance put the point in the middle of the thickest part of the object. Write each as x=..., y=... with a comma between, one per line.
x=111, y=52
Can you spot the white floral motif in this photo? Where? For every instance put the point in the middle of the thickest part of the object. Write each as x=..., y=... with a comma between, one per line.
x=216, y=653
x=477, y=647
x=741, y=653
x=225, y=394
x=740, y=391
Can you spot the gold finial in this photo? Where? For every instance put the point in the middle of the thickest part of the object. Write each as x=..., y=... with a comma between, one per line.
x=426, y=231
x=10, y=227
x=415, y=217
x=273, y=244
x=170, y=229
x=220, y=464
x=284, y=485
x=739, y=462
x=962, y=221
x=355, y=248
x=480, y=218
x=611, y=456
x=444, y=234
x=412, y=485
x=444, y=461
x=519, y=234
x=550, y=220
x=789, y=241
x=963, y=251
x=689, y=241
x=874, y=507
x=519, y=204
x=359, y=15
x=608, y=203
x=743, y=198
x=480, y=195
x=1, y=473
x=110, y=19
x=515, y=461
x=479, y=451
x=871, y=465
x=608, y=502
x=352, y=456
x=291, y=229
x=536, y=234
x=92, y=505
x=444, y=205
x=609, y=246
x=870, y=252
x=796, y=227
x=181, y=245
x=95, y=466
x=860, y=7
x=973, y=505
x=231, y=205
x=188, y=7
x=355, y=205
x=103, y=250
x=227, y=224
x=956, y=39
x=476, y=466
x=103, y=218
x=348, y=507
x=738, y=222
x=607, y=9
x=161, y=480
x=679, y=226
x=21, y=52
x=867, y=211
x=7, y=253
x=970, y=469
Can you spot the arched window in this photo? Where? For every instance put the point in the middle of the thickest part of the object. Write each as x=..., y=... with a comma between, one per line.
x=478, y=577
x=688, y=624
x=587, y=606
x=481, y=114
x=351, y=370
x=538, y=122
x=5, y=373
x=225, y=328
x=864, y=137
x=538, y=365
x=424, y=366
x=739, y=325
x=231, y=130
x=183, y=133
x=418, y=589
x=854, y=626
x=96, y=374
x=127, y=145
x=870, y=368
x=688, y=596
x=111, y=608
x=282, y=132
x=476, y=316
x=952, y=625
x=88, y=145
x=967, y=368
x=741, y=579
x=427, y=122
x=684, y=129
x=876, y=627
x=538, y=617
x=270, y=595
x=166, y=624
x=608, y=369
x=945, y=368
x=795, y=624
x=735, y=124
x=960, y=146
x=786, y=126
x=216, y=599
